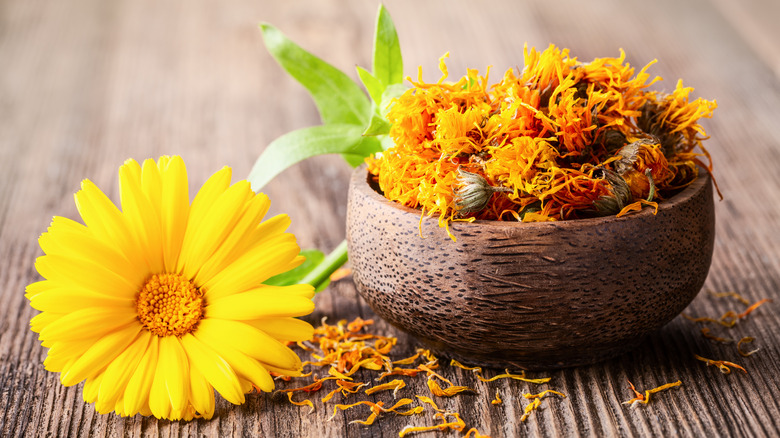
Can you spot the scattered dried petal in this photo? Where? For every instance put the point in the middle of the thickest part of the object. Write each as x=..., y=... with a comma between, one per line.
x=645, y=399
x=721, y=364
x=745, y=340
x=395, y=385
x=306, y=402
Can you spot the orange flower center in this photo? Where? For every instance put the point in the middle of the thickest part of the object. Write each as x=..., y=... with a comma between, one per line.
x=169, y=304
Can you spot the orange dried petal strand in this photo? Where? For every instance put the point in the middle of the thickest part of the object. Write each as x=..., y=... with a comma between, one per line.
x=705, y=331
x=312, y=387
x=753, y=307
x=746, y=340
x=508, y=375
x=454, y=362
x=530, y=408
x=350, y=406
x=430, y=401
x=548, y=391
x=637, y=206
x=340, y=273
x=734, y=295
x=476, y=434
x=333, y=372
x=645, y=399
x=306, y=402
x=395, y=385
x=450, y=391
x=409, y=360
x=722, y=365
x=497, y=400
x=723, y=322
x=408, y=372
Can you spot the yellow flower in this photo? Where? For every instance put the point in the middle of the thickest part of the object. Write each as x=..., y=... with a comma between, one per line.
x=158, y=304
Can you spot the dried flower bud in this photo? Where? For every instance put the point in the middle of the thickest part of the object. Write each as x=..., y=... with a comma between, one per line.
x=474, y=192
x=621, y=194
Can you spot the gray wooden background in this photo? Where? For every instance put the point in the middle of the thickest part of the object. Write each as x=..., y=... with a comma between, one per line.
x=85, y=84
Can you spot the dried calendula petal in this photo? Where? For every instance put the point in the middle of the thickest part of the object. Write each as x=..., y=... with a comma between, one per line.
x=456, y=424
x=476, y=433
x=454, y=362
x=306, y=402
x=395, y=385
x=722, y=365
x=753, y=307
x=705, y=331
x=497, y=400
x=449, y=391
x=645, y=399
x=521, y=376
x=745, y=340
x=530, y=408
x=734, y=295
x=543, y=393
x=428, y=400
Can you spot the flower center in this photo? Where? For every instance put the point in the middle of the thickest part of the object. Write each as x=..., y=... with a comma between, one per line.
x=169, y=304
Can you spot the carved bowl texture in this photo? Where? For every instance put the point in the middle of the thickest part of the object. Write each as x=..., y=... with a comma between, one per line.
x=530, y=295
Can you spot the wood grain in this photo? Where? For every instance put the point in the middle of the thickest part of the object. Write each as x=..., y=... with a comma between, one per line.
x=86, y=84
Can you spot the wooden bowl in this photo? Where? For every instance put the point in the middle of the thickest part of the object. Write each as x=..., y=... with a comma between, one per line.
x=530, y=295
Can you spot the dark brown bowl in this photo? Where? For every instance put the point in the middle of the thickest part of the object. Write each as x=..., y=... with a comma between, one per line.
x=530, y=295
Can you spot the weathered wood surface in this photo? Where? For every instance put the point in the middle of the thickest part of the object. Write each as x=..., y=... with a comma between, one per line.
x=88, y=83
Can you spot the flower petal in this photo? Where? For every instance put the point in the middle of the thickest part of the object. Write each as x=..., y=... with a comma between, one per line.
x=104, y=219
x=206, y=197
x=142, y=214
x=67, y=300
x=175, y=209
x=284, y=329
x=91, y=387
x=43, y=320
x=167, y=397
x=84, y=274
x=214, y=368
x=201, y=394
x=81, y=324
x=85, y=247
x=254, y=267
x=120, y=370
x=245, y=367
x=136, y=397
x=105, y=350
x=247, y=340
x=239, y=235
x=61, y=354
x=262, y=302
x=201, y=242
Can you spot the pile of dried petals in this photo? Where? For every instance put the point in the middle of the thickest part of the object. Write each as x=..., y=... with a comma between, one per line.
x=343, y=349
x=561, y=140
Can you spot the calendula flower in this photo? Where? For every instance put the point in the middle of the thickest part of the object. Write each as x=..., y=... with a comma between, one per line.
x=158, y=304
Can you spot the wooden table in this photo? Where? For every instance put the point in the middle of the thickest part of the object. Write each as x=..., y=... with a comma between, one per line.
x=86, y=84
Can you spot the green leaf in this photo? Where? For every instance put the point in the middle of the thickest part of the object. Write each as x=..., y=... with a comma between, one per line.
x=378, y=124
x=338, y=98
x=304, y=143
x=368, y=146
x=373, y=85
x=386, y=60
x=294, y=276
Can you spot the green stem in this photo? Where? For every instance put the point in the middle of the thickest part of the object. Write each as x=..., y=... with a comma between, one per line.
x=321, y=274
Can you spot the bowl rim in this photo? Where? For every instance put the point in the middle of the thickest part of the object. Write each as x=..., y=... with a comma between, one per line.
x=702, y=181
